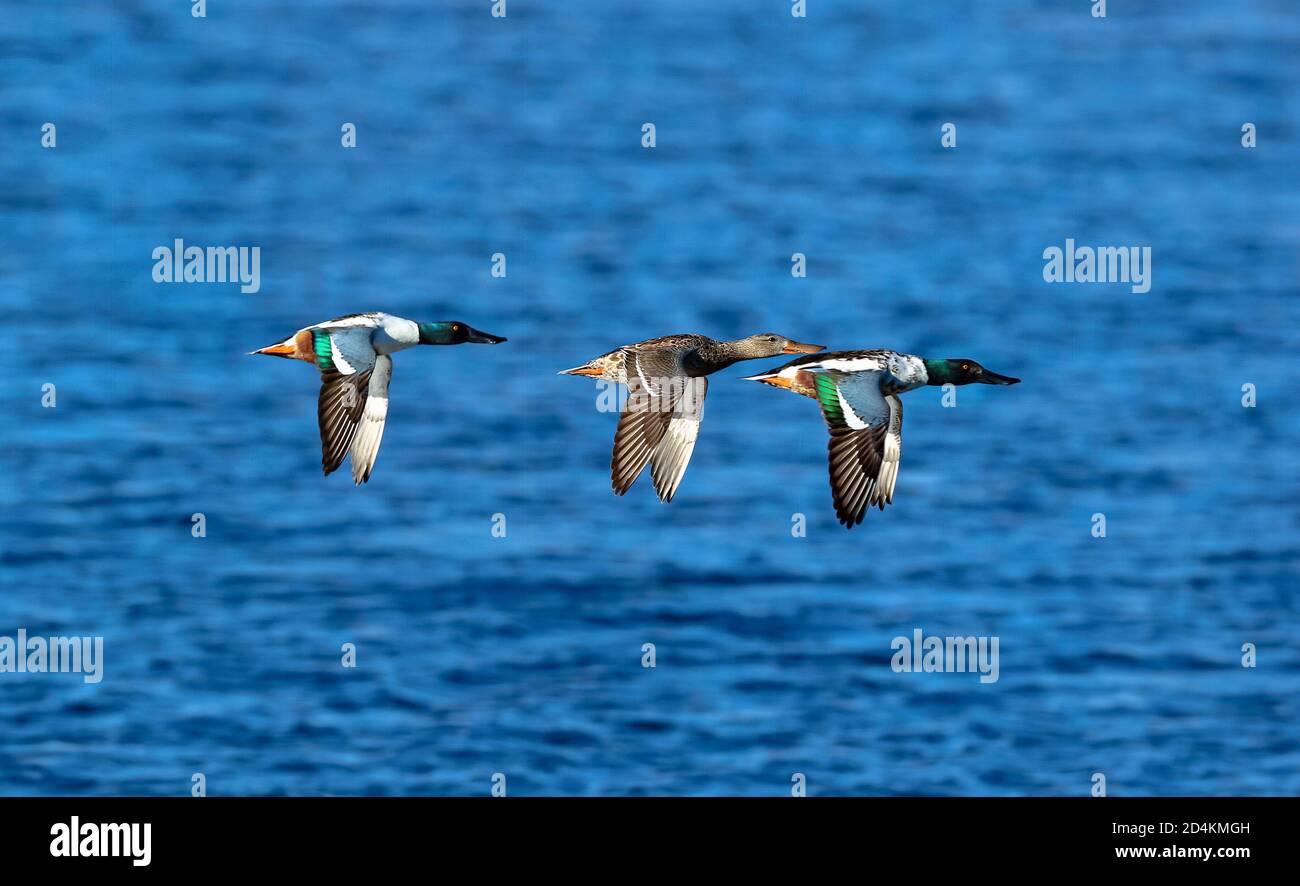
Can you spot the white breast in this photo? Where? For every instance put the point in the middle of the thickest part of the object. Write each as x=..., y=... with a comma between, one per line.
x=909, y=370
x=396, y=334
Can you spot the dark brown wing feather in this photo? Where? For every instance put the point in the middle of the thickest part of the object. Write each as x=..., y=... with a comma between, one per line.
x=679, y=343
x=855, y=458
x=338, y=410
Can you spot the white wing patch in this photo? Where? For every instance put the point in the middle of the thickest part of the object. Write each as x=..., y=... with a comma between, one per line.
x=851, y=418
x=851, y=365
x=336, y=357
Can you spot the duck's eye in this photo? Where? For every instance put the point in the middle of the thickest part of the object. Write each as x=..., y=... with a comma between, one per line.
x=455, y=327
x=771, y=338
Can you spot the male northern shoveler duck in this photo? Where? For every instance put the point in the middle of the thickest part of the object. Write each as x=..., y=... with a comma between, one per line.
x=858, y=392
x=666, y=385
x=352, y=354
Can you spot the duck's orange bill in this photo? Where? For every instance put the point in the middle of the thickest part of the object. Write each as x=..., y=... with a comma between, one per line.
x=795, y=347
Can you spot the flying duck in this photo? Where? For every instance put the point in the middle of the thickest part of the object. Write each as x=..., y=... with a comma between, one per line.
x=352, y=354
x=666, y=384
x=858, y=392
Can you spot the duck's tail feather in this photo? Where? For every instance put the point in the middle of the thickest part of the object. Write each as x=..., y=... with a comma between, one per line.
x=282, y=349
x=609, y=366
x=295, y=347
x=584, y=369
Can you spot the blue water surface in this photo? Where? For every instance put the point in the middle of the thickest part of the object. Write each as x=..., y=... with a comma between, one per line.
x=522, y=654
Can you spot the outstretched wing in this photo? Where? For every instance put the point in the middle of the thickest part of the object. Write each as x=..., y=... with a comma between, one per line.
x=370, y=429
x=669, y=460
x=656, y=386
x=866, y=442
x=338, y=410
x=346, y=359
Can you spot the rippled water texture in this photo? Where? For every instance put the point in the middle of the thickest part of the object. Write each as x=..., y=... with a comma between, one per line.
x=522, y=655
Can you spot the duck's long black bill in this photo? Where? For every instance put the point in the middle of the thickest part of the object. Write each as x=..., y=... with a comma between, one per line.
x=484, y=338
x=992, y=378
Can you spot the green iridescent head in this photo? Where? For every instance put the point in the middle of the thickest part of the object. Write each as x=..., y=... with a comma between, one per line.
x=454, y=332
x=961, y=371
